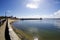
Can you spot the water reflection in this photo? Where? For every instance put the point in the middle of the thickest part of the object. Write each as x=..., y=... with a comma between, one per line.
x=40, y=29
x=35, y=38
x=57, y=24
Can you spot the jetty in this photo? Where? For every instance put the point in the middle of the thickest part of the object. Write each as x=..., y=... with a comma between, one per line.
x=31, y=18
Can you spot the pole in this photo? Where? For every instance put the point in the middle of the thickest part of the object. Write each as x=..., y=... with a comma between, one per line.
x=5, y=15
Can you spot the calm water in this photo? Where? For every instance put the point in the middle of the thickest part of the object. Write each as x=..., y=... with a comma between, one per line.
x=44, y=29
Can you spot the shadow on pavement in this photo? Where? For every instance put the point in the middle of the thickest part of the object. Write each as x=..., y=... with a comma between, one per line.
x=7, y=36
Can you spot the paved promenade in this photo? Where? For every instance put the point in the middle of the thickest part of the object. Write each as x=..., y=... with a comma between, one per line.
x=12, y=34
x=6, y=31
x=2, y=31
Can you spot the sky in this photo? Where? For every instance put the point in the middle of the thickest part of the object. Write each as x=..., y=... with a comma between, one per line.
x=30, y=8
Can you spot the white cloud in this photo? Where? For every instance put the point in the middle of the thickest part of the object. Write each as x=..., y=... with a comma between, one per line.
x=33, y=4
x=57, y=14
x=31, y=16
x=54, y=15
x=36, y=16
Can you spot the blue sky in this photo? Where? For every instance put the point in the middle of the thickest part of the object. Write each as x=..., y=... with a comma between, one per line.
x=30, y=8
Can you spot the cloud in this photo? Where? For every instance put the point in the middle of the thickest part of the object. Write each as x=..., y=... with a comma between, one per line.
x=36, y=16
x=31, y=16
x=34, y=4
x=54, y=15
x=57, y=14
x=31, y=5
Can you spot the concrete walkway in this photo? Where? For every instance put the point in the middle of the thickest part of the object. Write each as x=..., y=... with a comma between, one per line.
x=12, y=34
x=6, y=31
x=2, y=31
